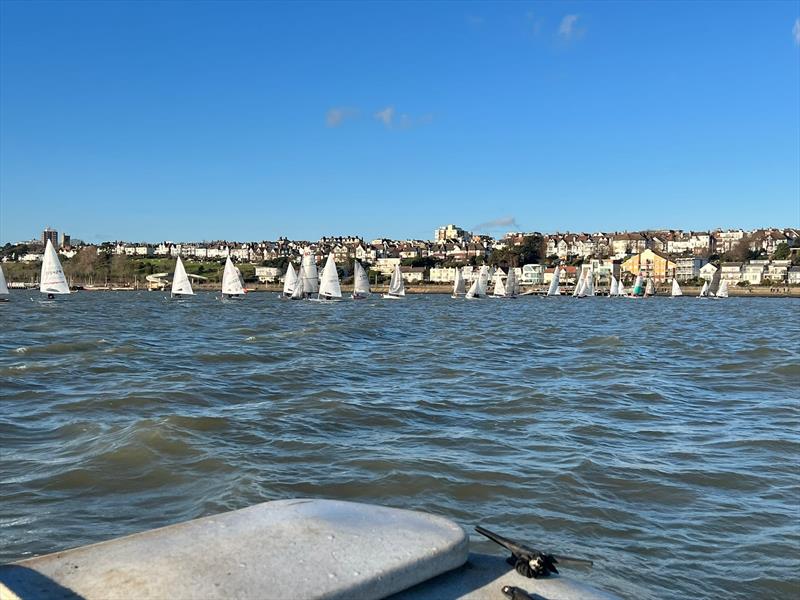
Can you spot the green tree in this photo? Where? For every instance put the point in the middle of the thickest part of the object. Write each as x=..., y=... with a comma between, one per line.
x=781, y=251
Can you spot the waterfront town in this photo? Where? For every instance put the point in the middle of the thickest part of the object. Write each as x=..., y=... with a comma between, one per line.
x=760, y=257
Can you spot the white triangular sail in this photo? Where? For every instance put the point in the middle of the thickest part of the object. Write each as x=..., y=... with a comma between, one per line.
x=299, y=291
x=231, y=280
x=722, y=292
x=289, y=281
x=3, y=285
x=704, y=290
x=472, y=292
x=588, y=286
x=310, y=276
x=52, y=279
x=512, y=283
x=458, y=285
x=555, y=283
x=578, y=288
x=614, y=289
x=396, y=286
x=483, y=282
x=676, y=288
x=621, y=289
x=360, y=281
x=180, y=280
x=329, y=284
x=499, y=287
x=650, y=288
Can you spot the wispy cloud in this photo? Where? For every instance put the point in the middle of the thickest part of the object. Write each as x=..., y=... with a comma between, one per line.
x=501, y=223
x=568, y=29
x=534, y=22
x=796, y=31
x=386, y=116
x=339, y=114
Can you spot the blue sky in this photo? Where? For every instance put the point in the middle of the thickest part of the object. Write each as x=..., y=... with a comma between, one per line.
x=192, y=121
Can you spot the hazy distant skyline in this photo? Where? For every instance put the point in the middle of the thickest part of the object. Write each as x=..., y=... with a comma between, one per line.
x=248, y=121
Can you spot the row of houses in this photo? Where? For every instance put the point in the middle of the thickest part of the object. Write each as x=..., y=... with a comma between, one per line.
x=672, y=242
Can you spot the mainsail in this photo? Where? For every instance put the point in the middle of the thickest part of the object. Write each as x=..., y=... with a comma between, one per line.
x=722, y=292
x=360, y=281
x=650, y=288
x=289, y=281
x=512, y=284
x=3, y=285
x=638, y=290
x=555, y=283
x=231, y=280
x=588, y=287
x=614, y=289
x=704, y=290
x=676, y=288
x=458, y=285
x=396, y=286
x=310, y=276
x=483, y=281
x=499, y=287
x=329, y=285
x=620, y=289
x=180, y=280
x=472, y=292
x=713, y=287
x=578, y=287
x=52, y=279
x=299, y=291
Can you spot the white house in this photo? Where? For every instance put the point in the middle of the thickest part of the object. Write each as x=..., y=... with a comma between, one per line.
x=413, y=274
x=266, y=274
x=731, y=272
x=386, y=266
x=688, y=267
x=777, y=270
x=531, y=274
x=442, y=274
x=793, y=276
x=753, y=273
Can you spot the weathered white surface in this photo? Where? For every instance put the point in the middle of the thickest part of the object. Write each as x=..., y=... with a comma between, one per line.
x=483, y=577
x=284, y=549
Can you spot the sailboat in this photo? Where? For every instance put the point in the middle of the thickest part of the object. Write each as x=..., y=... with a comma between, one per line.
x=298, y=293
x=329, y=289
x=578, y=288
x=715, y=285
x=360, y=282
x=638, y=287
x=650, y=288
x=722, y=292
x=310, y=276
x=588, y=286
x=704, y=290
x=512, y=284
x=396, y=288
x=232, y=283
x=613, y=290
x=479, y=284
x=3, y=287
x=555, y=284
x=180, y=281
x=52, y=280
x=458, y=285
x=621, y=289
x=290, y=281
x=499, y=287
x=676, y=289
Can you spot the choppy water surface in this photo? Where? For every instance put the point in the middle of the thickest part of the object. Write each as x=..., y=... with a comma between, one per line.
x=658, y=437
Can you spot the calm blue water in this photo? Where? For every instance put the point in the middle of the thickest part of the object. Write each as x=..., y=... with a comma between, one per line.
x=659, y=437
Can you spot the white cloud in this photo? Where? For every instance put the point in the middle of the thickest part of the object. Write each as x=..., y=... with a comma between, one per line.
x=796, y=31
x=497, y=224
x=386, y=116
x=567, y=29
x=337, y=115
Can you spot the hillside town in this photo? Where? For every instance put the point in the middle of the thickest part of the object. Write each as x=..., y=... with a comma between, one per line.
x=769, y=256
